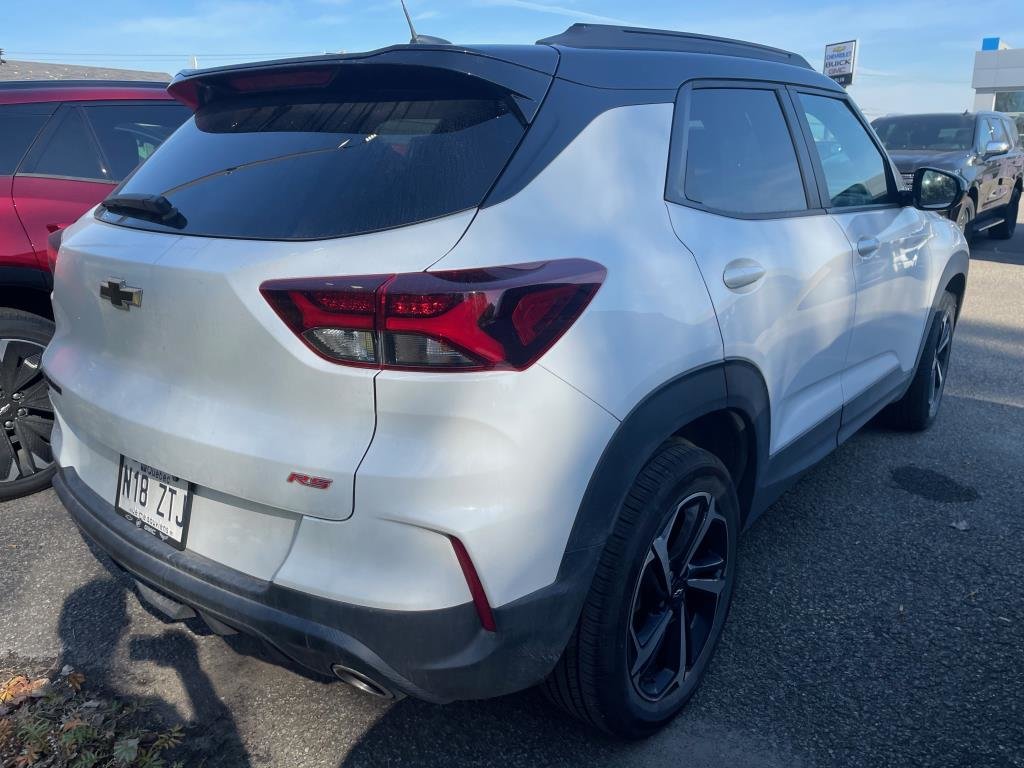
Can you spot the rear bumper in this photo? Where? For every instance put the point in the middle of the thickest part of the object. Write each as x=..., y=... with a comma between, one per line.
x=437, y=655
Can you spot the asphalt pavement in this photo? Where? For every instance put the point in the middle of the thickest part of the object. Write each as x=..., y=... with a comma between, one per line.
x=878, y=617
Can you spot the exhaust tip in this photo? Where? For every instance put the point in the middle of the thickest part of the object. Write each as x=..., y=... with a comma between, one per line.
x=361, y=682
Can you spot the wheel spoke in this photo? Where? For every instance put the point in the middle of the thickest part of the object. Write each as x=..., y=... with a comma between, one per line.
x=33, y=436
x=8, y=365
x=684, y=643
x=945, y=336
x=661, y=564
x=710, y=517
x=27, y=371
x=37, y=397
x=9, y=468
x=647, y=647
x=713, y=586
x=707, y=565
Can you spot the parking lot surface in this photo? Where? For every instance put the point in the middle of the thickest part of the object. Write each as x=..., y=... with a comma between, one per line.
x=878, y=617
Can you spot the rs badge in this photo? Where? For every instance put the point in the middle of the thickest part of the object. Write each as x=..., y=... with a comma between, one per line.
x=320, y=483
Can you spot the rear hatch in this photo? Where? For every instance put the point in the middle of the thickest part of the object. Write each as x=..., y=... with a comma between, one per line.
x=339, y=166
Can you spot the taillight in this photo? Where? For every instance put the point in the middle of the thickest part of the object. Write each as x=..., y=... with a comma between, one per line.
x=53, y=247
x=494, y=318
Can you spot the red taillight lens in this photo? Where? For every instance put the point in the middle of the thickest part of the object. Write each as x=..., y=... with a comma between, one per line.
x=53, y=241
x=498, y=318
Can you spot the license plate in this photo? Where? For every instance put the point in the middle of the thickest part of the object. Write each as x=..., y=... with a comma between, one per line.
x=155, y=501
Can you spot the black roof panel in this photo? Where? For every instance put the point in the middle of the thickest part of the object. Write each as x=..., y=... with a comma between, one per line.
x=639, y=39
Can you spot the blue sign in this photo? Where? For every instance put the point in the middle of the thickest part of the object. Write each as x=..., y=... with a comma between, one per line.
x=990, y=44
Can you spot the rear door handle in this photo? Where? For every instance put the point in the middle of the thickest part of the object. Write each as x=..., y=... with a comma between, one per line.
x=867, y=246
x=741, y=273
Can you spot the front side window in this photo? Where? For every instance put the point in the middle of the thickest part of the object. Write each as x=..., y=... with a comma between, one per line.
x=1011, y=131
x=738, y=154
x=855, y=170
x=994, y=130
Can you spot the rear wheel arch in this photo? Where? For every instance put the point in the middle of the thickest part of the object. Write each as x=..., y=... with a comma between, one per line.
x=957, y=285
x=26, y=289
x=722, y=408
x=33, y=302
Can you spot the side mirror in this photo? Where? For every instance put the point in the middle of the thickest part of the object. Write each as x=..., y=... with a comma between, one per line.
x=994, y=148
x=936, y=190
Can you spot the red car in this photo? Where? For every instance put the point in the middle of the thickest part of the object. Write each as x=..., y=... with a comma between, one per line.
x=64, y=145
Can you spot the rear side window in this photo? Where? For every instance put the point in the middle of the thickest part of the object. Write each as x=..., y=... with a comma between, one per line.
x=19, y=126
x=737, y=154
x=854, y=168
x=381, y=147
x=68, y=152
x=103, y=142
x=130, y=133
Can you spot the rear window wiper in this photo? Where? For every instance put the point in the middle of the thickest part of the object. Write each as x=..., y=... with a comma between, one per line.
x=151, y=207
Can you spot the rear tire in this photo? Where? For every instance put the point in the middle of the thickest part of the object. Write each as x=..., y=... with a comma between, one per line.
x=26, y=461
x=917, y=409
x=1006, y=230
x=663, y=584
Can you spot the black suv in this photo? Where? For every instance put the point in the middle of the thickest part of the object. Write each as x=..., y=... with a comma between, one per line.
x=983, y=148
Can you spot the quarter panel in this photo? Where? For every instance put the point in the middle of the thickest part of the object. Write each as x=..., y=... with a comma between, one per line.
x=499, y=459
x=602, y=198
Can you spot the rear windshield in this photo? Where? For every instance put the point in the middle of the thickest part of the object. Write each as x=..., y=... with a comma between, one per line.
x=381, y=147
x=939, y=133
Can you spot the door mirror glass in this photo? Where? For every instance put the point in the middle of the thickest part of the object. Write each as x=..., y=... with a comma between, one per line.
x=936, y=190
x=996, y=148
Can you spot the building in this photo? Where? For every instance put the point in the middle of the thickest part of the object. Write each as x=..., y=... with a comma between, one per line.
x=36, y=70
x=999, y=79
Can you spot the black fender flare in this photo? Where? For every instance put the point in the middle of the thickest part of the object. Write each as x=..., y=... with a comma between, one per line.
x=734, y=385
x=727, y=385
x=958, y=264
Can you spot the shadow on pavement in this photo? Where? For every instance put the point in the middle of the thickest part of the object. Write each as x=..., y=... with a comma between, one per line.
x=522, y=729
x=93, y=621
x=985, y=248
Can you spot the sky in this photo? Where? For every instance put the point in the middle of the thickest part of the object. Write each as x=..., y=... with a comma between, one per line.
x=915, y=55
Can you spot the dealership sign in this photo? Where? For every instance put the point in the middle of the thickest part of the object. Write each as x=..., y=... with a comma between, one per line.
x=840, y=61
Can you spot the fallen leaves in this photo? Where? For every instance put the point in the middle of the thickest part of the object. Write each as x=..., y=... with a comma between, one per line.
x=75, y=680
x=55, y=722
x=19, y=688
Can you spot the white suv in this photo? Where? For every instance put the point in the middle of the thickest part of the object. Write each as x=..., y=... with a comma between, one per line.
x=453, y=370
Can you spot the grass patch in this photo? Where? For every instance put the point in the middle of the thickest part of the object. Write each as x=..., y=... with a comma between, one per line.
x=53, y=720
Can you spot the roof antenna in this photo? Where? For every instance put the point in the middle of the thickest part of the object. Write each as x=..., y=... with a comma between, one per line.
x=421, y=39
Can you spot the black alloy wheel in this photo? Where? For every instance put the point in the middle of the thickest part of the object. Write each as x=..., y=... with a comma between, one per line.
x=940, y=362
x=677, y=597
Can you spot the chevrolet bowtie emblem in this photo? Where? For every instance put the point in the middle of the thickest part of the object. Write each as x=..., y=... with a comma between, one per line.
x=120, y=295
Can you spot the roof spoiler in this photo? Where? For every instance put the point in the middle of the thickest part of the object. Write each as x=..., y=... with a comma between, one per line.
x=195, y=88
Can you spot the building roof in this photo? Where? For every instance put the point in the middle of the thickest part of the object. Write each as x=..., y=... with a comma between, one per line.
x=37, y=70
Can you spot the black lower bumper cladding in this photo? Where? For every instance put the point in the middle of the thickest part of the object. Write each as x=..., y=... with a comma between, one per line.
x=439, y=656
